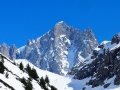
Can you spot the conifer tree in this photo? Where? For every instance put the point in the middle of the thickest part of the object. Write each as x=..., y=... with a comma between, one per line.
x=2, y=59
x=29, y=86
x=34, y=74
x=23, y=80
x=2, y=67
x=47, y=80
x=28, y=69
x=42, y=82
x=53, y=88
x=21, y=66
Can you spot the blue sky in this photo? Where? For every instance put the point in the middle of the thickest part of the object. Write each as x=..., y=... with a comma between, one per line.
x=21, y=20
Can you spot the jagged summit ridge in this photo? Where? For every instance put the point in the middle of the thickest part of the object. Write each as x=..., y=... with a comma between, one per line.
x=59, y=49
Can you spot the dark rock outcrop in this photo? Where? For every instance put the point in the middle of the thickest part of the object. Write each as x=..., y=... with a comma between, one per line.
x=115, y=39
x=104, y=66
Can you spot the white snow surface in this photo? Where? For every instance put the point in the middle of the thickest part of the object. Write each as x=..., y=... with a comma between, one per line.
x=71, y=53
x=59, y=22
x=60, y=82
x=108, y=45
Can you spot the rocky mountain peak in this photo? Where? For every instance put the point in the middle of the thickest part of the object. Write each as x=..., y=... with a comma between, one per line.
x=58, y=50
x=4, y=44
x=60, y=29
x=61, y=23
x=13, y=52
x=4, y=49
x=116, y=38
x=30, y=42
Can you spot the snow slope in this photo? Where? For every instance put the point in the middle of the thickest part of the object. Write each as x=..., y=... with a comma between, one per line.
x=60, y=82
x=16, y=73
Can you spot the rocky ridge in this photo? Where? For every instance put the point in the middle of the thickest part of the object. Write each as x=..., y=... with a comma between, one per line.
x=56, y=51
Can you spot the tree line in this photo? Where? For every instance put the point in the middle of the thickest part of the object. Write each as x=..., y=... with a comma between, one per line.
x=43, y=82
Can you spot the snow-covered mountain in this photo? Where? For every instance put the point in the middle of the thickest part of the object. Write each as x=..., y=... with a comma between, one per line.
x=98, y=70
x=56, y=51
x=14, y=79
x=102, y=67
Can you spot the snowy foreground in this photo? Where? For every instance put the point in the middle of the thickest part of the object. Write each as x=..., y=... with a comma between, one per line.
x=60, y=82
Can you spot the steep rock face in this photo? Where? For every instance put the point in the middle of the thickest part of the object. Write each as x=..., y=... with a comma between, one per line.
x=104, y=64
x=4, y=49
x=13, y=52
x=59, y=49
x=116, y=38
x=10, y=52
